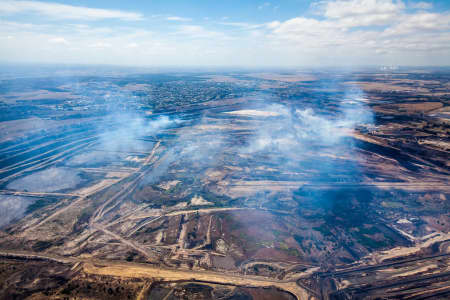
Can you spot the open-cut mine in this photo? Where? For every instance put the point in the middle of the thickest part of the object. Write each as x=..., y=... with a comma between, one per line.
x=227, y=185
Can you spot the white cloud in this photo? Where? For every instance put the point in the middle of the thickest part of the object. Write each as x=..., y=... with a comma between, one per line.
x=178, y=19
x=404, y=35
x=235, y=24
x=198, y=32
x=349, y=8
x=59, y=40
x=242, y=25
x=303, y=27
x=100, y=45
x=353, y=13
x=342, y=34
x=64, y=11
x=132, y=45
x=6, y=37
x=422, y=5
x=421, y=22
x=273, y=24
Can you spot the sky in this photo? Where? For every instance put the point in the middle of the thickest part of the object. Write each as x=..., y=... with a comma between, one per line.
x=231, y=33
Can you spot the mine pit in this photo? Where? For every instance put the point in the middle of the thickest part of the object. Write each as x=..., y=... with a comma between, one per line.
x=244, y=185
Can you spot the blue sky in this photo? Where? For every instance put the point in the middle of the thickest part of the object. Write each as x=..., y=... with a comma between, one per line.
x=226, y=33
x=256, y=11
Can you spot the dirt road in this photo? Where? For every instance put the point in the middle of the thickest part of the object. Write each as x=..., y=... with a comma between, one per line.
x=139, y=270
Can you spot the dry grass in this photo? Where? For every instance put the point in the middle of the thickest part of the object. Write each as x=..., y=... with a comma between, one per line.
x=389, y=87
x=420, y=107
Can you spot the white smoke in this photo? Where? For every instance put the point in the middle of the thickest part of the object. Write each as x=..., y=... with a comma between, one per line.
x=13, y=208
x=295, y=133
x=195, y=149
x=128, y=129
x=49, y=180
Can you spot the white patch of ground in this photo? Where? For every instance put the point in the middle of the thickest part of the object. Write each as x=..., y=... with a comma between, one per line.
x=405, y=234
x=199, y=200
x=397, y=252
x=135, y=159
x=96, y=187
x=404, y=221
x=221, y=246
x=343, y=284
x=168, y=184
x=215, y=175
x=116, y=174
x=418, y=271
x=180, y=205
x=159, y=236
